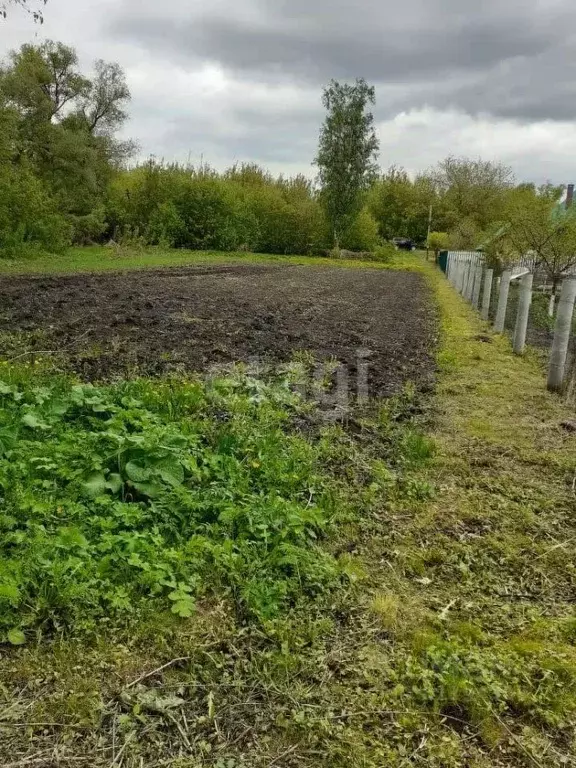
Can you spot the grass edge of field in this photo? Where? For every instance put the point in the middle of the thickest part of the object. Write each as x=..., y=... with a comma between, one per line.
x=100, y=259
x=499, y=435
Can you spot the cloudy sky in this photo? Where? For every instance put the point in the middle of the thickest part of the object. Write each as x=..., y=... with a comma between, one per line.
x=241, y=80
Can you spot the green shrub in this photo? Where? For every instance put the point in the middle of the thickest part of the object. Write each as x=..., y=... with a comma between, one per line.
x=89, y=228
x=438, y=241
x=242, y=209
x=165, y=226
x=29, y=218
x=385, y=253
x=145, y=496
x=363, y=234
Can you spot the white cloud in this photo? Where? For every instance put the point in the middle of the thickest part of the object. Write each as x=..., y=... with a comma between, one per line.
x=538, y=151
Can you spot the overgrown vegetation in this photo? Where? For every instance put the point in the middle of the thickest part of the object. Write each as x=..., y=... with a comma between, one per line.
x=154, y=495
x=58, y=151
x=64, y=176
x=536, y=225
x=242, y=209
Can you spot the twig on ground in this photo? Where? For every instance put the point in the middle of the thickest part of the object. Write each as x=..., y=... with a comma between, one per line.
x=114, y=738
x=515, y=738
x=49, y=351
x=286, y=752
x=118, y=759
x=181, y=731
x=556, y=546
x=38, y=757
x=8, y=724
x=158, y=669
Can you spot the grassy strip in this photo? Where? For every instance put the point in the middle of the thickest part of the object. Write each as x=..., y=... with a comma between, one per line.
x=449, y=644
x=497, y=542
x=104, y=259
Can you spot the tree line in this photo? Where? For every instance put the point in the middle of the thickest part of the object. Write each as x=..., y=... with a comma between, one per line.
x=65, y=178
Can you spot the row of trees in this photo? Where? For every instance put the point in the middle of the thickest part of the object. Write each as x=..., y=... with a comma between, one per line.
x=536, y=224
x=461, y=197
x=472, y=204
x=64, y=179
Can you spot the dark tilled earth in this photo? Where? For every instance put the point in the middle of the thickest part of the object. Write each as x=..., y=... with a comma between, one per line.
x=186, y=319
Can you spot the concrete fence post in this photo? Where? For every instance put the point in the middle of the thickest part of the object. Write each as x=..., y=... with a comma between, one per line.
x=471, y=278
x=487, y=295
x=562, y=335
x=523, y=313
x=449, y=267
x=502, y=301
x=462, y=279
x=469, y=281
x=477, y=286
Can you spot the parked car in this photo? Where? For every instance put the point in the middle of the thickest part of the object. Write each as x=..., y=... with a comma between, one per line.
x=404, y=244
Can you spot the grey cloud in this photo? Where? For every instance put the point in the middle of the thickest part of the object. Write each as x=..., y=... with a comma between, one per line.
x=512, y=55
x=538, y=88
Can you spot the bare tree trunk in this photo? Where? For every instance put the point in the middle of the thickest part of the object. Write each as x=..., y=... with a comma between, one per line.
x=336, y=241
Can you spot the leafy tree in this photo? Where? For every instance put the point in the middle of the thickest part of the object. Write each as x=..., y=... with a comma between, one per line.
x=401, y=206
x=64, y=128
x=40, y=81
x=390, y=202
x=103, y=107
x=472, y=189
x=347, y=152
x=537, y=225
x=438, y=241
x=465, y=235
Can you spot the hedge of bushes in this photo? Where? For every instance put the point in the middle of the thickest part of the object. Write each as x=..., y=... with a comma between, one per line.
x=243, y=208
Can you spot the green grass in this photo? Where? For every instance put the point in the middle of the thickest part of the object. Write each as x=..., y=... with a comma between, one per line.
x=103, y=259
x=442, y=634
